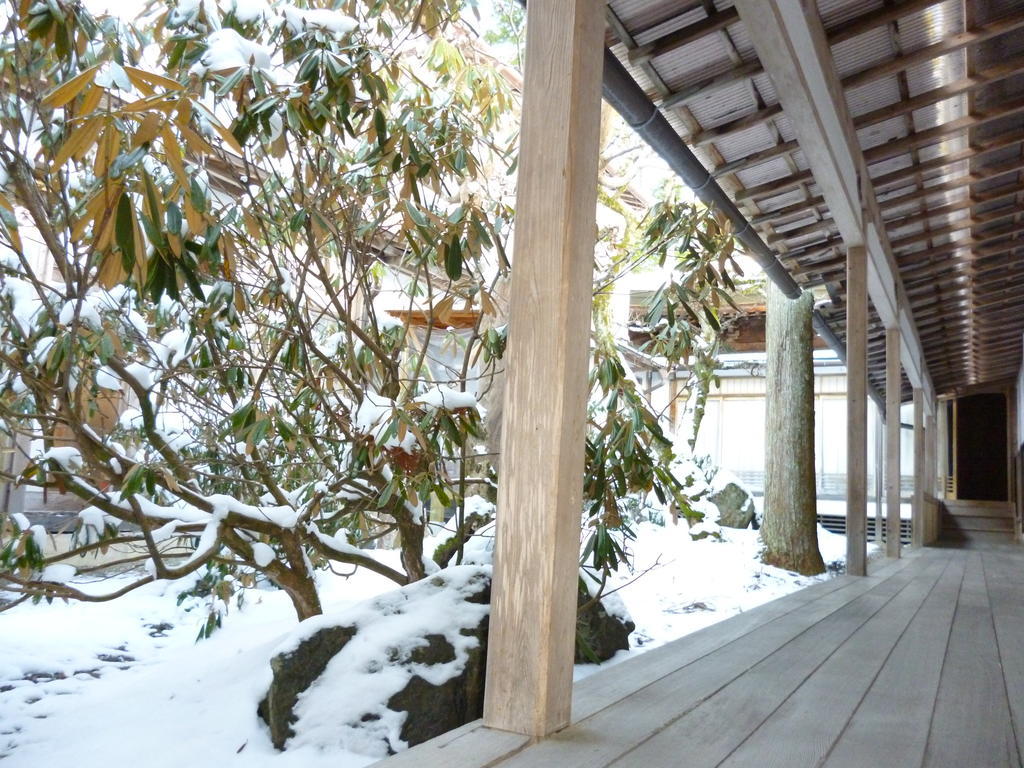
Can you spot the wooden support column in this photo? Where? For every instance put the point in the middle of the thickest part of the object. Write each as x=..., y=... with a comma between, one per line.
x=673, y=399
x=533, y=602
x=856, y=410
x=879, y=474
x=941, y=448
x=931, y=472
x=917, y=509
x=893, y=385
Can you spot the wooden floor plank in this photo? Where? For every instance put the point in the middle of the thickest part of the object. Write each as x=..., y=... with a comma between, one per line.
x=471, y=746
x=806, y=725
x=1004, y=579
x=605, y=688
x=921, y=663
x=598, y=740
x=746, y=703
x=894, y=717
x=971, y=724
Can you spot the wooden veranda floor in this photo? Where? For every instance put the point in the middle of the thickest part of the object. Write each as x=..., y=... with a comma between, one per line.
x=920, y=663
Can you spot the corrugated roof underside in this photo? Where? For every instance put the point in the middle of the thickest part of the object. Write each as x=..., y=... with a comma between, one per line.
x=930, y=215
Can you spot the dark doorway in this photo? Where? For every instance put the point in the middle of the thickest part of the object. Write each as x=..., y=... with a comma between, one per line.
x=981, y=447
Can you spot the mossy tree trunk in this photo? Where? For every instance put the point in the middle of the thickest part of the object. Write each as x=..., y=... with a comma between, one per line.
x=789, y=528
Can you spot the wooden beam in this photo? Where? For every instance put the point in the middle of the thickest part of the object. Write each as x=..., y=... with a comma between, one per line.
x=791, y=43
x=893, y=179
x=917, y=508
x=981, y=261
x=968, y=243
x=917, y=263
x=884, y=151
x=880, y=115
x=886, y=182
x=706, y=85
x=536, y=564
x=943, y=93
x=968, y=204
x=849, y=29
x=876, y=18
x=944, y=47
x=680, y=37
x=738, y=125
x=932, y=135
x=957, y=225
x=893, y=387
x=856, y=410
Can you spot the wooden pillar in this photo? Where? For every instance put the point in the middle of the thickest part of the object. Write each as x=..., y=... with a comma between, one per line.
x=14, y=452
x=930, y=473
x=893, y=385
x=533, y=603
x=856, y=410
x=673, y=399
x=879, y=474
x=917, y=508
x=941, y=447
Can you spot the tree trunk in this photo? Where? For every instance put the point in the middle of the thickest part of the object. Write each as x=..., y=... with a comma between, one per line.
x=789, y=529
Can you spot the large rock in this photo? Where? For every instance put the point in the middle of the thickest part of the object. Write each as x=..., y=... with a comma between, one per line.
x=602, y=628
x=425, y=648
x=431, y=686
x=294, y=672
x=735, y=506
x=435, y=709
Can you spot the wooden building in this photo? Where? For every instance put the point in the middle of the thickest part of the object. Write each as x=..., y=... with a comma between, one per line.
x=872, y=146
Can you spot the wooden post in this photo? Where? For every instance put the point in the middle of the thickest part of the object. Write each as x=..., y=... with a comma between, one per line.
x=879, y=474
x=941, y=447
x=917, y=510
x=856, y=410
x=533, y=603
x=893, y=385
x=930, y=473
x=14, y=454
x=673, y=399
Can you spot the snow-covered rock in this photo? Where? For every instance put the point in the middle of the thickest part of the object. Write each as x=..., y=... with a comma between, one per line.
x=388, y=673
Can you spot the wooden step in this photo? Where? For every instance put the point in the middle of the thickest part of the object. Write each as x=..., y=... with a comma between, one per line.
x=965, y=523
x=981, y=539
x=968, y=508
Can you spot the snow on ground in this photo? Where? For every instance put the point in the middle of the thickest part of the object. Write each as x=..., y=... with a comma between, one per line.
x=125, y=682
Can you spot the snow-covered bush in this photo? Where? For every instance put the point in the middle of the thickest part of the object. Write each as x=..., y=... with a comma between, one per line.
x=234, y=240
x=229, y=240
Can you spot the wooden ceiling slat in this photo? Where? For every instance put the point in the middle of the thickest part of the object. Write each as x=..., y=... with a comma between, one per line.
x=883, y=183
x=947, y=45
x=880, y=115
x=852, y=28
x=959, y=225
x=894, y=65
x=680, y=37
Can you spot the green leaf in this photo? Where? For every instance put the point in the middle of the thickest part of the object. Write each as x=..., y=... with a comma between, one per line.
x=173, y=219
x=453, y=259
x=124, y=231
x=381, y=126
